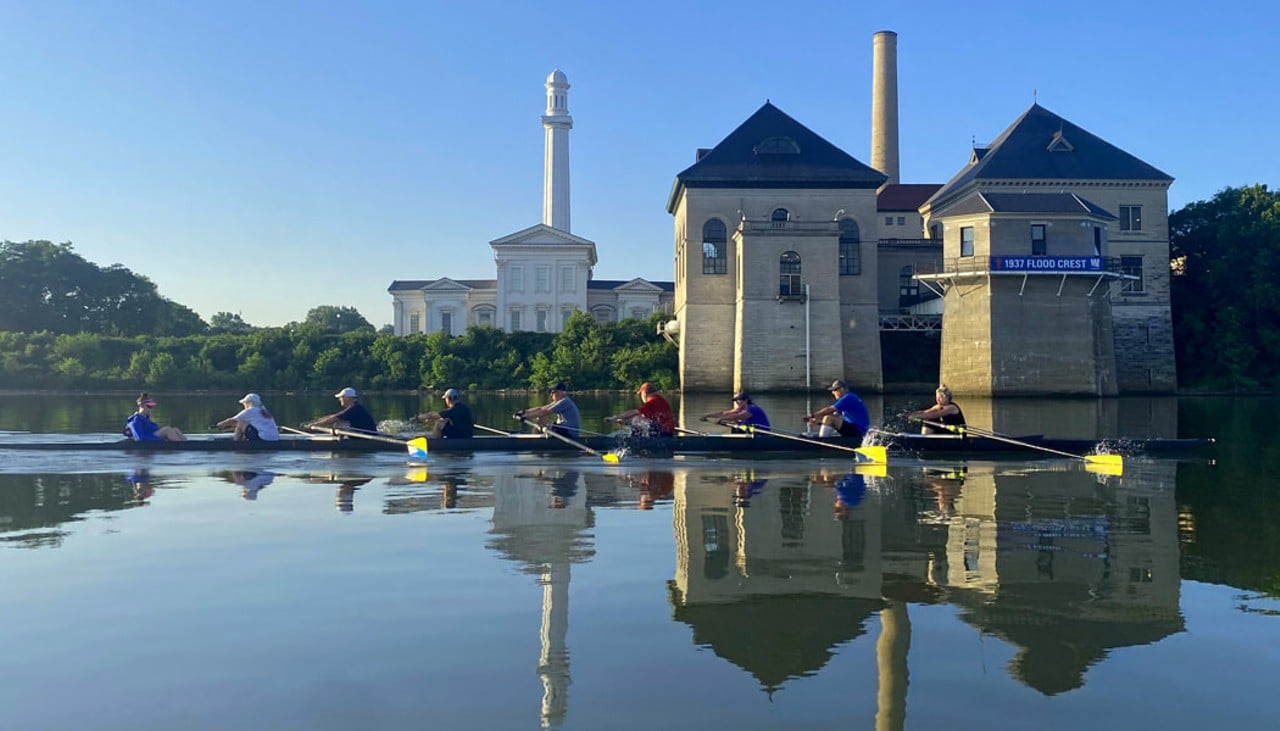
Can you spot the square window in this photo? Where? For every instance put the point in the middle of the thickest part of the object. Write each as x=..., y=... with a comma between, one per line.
x=1130, y=218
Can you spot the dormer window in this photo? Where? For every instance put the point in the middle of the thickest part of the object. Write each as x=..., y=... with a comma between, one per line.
x=779, y=145
x=1060, y=143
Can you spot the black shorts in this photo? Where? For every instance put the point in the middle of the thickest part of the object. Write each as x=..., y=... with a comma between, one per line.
x=849, y=429
x=251, y=434
x=564, y=431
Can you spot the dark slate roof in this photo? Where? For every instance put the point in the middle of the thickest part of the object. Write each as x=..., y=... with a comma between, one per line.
x=615, y=283
x=401, y=285
x=1068, y=203
x=772, y=150
x=1023, y=152
x=905, y=196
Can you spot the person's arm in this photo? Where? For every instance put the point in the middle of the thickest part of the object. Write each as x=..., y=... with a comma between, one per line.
x=428, y=417
x=937, y=411
x=322, y=421
x=624, y=417
x=226, y=423
x=824, y=411
x=533, y=412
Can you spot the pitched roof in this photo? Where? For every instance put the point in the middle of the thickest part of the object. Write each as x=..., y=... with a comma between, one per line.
x=772, y=150
x=905, y=196
x=401, y=285
x=1050, y=203
x=615, y=283
x=1041, y=145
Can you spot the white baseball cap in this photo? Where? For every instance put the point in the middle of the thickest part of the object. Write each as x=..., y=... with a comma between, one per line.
x=251, y=398
x=348, y=392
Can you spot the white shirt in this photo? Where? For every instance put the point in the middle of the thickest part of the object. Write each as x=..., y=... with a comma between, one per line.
x=262, y=420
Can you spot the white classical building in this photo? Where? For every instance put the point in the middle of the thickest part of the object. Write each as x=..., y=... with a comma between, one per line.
x=544, y=272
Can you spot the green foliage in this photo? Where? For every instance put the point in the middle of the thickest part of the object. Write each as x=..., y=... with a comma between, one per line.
x=229, y=322
x=48, y=287
x=329, y=318
x=1226, y=307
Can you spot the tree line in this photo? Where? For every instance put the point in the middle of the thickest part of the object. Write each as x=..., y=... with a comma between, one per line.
x=68, y=323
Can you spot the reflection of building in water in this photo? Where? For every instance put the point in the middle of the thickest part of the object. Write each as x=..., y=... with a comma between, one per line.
x=539, y=522
x=1065, y=567
x=775, y=585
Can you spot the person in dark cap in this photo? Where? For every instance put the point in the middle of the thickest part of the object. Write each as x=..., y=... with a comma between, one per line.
x=565, y=411
x=847, y=417
x=454, y=421
x=654, y=417
x=745, y=413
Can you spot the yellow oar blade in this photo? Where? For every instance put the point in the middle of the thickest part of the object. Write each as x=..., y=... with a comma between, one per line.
x=1104, y=468
x=872, y=469
x=871, y=454
x=417, y=447
x=611, y=458
x=1113, y=459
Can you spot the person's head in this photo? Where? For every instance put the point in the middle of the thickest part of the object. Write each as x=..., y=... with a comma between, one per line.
x=742, y=398
x=646, y=390
x=559, y=391
x=251, y=399
x=452, y=396
x=346, y=395
x=839, y=388
x=145, y=402
x=942, y=395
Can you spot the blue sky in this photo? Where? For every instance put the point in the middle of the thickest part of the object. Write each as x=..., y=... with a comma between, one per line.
x=266, y=157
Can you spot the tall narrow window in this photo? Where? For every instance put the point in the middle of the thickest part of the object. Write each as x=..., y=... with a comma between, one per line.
x=1132, y=265
x=780, y=217
x=542, y=281
x=517, y=279
x=515, y=321
x=564, y=318
x=714, y=245
x=1130, y=218
x=566, y=279
x=789, y=275
x=1097, y=241
x=1038, y=245
x=541, y=320
x=850, y=248
x=446, y=323
x=415, y=323
x=966, y=241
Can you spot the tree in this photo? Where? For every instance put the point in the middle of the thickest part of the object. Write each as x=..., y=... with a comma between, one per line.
x=1226, y=308
x=330, y=318
x=229, y=322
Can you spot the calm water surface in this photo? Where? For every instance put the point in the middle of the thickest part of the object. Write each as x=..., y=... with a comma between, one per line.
x=256, y=591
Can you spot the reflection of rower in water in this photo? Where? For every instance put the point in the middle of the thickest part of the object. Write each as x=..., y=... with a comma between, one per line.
x=655, y=485
x=140, y=479
x=250, y=482
x=945, y=485
x=564, y=485
x=747, y=487
x=347, y=487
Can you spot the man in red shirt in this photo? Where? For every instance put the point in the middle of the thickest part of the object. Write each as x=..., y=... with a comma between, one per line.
x=654, y=417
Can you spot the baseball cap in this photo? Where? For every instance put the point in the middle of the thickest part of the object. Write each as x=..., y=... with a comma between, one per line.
x=647, y=388
x=349, y=392
x=742, y=396
x=837, y=385
x=146, y=401
x=251, y=398
x=452, y=394
x=560, y=387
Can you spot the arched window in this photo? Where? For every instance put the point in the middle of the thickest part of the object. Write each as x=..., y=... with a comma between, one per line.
x=850, y=248
x=714, y=246
x=780, y=217
x=789, y=275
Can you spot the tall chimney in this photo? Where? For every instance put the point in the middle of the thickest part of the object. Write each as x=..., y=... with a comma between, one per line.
x=884, y=104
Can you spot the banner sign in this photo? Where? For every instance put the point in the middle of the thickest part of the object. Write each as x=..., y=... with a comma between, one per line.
x=1046, y=264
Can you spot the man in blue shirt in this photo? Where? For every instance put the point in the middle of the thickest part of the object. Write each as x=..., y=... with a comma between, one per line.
x=847, y=417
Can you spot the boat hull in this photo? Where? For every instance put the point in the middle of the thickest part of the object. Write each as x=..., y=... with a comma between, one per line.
x=689, y=444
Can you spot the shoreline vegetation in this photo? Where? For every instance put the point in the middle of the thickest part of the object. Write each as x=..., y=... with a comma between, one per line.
x=68, y=325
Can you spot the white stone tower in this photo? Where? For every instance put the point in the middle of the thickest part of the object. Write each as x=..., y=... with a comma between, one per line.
x=555, y=165
x=884, y=104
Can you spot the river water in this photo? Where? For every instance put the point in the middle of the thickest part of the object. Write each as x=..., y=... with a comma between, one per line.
x=500, y=591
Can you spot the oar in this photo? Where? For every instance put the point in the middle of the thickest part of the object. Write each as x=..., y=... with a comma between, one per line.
x=417, y=446
x=491, y=429
x=1113, y=460
x=690, y=431
x=299, y=432
x=865, y=454
x=609, y=457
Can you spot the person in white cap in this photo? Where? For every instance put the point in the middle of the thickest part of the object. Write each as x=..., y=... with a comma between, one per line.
x=353, y=415
x=453, y=422
x=254, y=423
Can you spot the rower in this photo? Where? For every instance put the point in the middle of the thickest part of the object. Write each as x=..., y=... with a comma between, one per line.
x=453, y=422
x=562, y=408
x=944, y=412
x=847, y=417
x=654, y=417
x=353, y=415
x=745, y=413
x=140, y=427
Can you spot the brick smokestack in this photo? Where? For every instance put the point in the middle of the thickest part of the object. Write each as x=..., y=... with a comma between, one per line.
x=884, y=104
